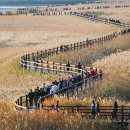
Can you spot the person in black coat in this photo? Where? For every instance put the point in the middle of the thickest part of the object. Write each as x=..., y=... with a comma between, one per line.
x=79, y=67
x=68, y=66
x=31, y=98
x=36, y=96
x=115, y=110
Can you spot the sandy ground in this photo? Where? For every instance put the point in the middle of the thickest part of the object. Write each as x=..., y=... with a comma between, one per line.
x=26, y=34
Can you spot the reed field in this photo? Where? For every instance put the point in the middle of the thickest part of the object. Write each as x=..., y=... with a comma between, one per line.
x=23, y=34
x=10, y=119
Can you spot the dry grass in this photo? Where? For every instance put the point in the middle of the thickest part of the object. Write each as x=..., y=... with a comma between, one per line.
x=20, y=35
x=44, y=120
x=40, y=33
x=88, y=55
x=84, y=101
x=116, y=82
x=122, y=14
x=15, y=82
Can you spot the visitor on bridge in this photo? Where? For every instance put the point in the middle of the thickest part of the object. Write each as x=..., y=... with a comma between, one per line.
x=93, y=108
x=68, y=66
x=42, y=92
x=64, y=83
x=69, y=82
x=115, y=110
x=79, y=80
x=79, y=67
x=54, y=88
x=36, y=96
x=129, y=112
x=43, y=86
x=97, y=109
x=31, y=98
x=87, y=76
x=93, y=73
x=59, y=84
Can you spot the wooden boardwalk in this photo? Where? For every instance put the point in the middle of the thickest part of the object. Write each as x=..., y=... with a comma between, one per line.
x=38, y=62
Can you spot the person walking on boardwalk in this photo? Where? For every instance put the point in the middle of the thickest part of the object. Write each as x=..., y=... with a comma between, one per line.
x=93, y=108
x=36, y=94
x=79, y=67
x=68, y=66
x=115, y=110
x=87, y=77
x=97, y=110
x=31, y=98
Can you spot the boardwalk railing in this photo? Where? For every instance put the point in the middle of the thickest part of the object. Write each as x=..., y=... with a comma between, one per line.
x=37, y=13
x=98, y=19
x=106, y=112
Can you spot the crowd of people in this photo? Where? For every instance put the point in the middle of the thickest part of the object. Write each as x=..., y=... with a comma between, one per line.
x=115, y=21
x=63, y=85
x=64, y=48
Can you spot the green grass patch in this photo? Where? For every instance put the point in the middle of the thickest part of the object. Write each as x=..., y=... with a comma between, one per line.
x=14, y=67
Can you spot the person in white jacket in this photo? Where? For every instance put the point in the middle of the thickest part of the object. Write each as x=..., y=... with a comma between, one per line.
x=54, y=89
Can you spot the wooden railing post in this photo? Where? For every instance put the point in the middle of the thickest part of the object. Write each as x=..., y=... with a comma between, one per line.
x=41, y=66
x=18, y=102
x=77, y=108
x=71, y=46
x=74, y=46
x=37, y=53
x=57, y=50
x=21, y=101
x=72, y=109
x=27, y=101
x=122, y=115
x=33, y=56
x=41, y=54
x=56, y=69
x=29, y=57
x=60, y=66
x=35, y=67
x=53, y=66
x=46, y=53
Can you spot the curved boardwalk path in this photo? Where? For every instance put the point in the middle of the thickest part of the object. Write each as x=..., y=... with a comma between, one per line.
x=38, y=62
